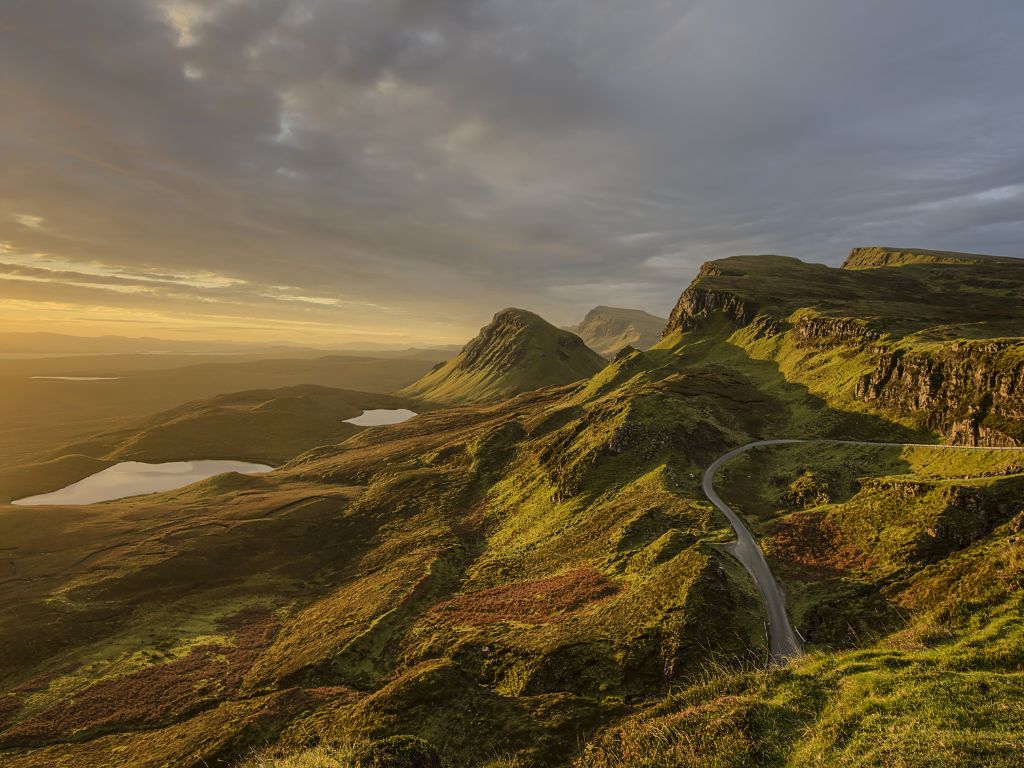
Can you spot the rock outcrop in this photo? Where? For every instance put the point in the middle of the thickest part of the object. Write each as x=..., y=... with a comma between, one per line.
x=877, y=256
x=940, y=335
x=973, y=392
x=812, y=327
x=698, y=304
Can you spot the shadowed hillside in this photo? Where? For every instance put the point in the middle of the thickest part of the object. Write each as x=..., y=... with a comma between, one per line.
x=38, y=416
x=264, y=426
x=516, y=352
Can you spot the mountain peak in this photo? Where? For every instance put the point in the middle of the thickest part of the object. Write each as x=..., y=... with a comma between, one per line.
x=606, y=330
x=516, y=352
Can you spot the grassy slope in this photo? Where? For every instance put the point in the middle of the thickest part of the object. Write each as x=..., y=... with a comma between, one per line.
x=516, y=352
x=919, y=658
x=490, y=564
x=465, y=582
x=526, y=577
x=896, y=301
x=951, y=326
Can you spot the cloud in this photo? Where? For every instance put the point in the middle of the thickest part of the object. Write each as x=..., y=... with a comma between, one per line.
x=28, y=220
x=453, y=156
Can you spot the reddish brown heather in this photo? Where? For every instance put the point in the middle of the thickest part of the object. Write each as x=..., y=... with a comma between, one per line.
x=157, y=694
x=808, y=543
x=42, y=682
x=9, y=704
x=529, y=602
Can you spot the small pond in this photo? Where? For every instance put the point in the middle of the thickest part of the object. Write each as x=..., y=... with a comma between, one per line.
x=381, y=416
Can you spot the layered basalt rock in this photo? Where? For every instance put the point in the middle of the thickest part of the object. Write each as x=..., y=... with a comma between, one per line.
x=842, y=329
x=698, y=304
x=971, y=392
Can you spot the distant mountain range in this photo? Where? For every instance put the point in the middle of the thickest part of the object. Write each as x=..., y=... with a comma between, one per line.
x=606, y=330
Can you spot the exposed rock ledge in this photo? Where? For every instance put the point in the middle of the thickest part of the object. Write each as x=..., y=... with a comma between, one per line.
x=971, y=392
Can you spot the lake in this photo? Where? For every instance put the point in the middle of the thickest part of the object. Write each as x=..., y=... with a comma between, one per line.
x=134, y=478
x=381, y=416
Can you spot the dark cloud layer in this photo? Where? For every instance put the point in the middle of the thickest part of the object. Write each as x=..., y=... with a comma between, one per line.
x=418, y=163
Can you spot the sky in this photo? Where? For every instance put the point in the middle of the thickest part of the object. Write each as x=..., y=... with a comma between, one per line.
x=396, y=171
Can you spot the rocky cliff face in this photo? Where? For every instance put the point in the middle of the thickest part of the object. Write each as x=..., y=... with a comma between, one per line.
x=698, y=303
x=874, y=257
x=971, y=392
x=838, y=329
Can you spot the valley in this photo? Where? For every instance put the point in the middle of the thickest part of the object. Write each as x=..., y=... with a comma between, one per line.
x=37, y=416
x=560, y=560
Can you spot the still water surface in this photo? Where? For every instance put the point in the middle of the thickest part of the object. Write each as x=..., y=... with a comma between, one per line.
x=134, y=478
x=381, y=416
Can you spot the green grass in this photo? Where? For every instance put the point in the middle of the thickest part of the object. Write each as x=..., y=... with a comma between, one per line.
x=393, y=752
x=878, y=341
x=856, y=708
x=878, y=517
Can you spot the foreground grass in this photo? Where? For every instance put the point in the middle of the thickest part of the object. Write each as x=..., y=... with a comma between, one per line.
x=879, y=708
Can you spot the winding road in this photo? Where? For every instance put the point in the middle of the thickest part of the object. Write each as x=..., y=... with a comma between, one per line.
x=782, y=638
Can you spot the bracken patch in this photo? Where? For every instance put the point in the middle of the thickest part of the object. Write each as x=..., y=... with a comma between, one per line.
x=812, y=545
x=157, y=694
x=9, y=704
x=530, y=602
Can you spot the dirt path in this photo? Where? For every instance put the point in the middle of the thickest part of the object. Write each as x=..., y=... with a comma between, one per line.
x=782, y=638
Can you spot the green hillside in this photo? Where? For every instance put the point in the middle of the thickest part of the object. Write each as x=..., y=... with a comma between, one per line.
x=937, y=346
x=540, y=581
x=516, y=352
x=870, y=258
x=606, y=330
x=904, y=570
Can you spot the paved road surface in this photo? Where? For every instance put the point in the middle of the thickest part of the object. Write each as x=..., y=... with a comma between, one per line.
x=782, y=638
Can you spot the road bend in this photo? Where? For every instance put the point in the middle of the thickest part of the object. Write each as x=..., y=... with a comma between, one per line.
x=782, y=638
